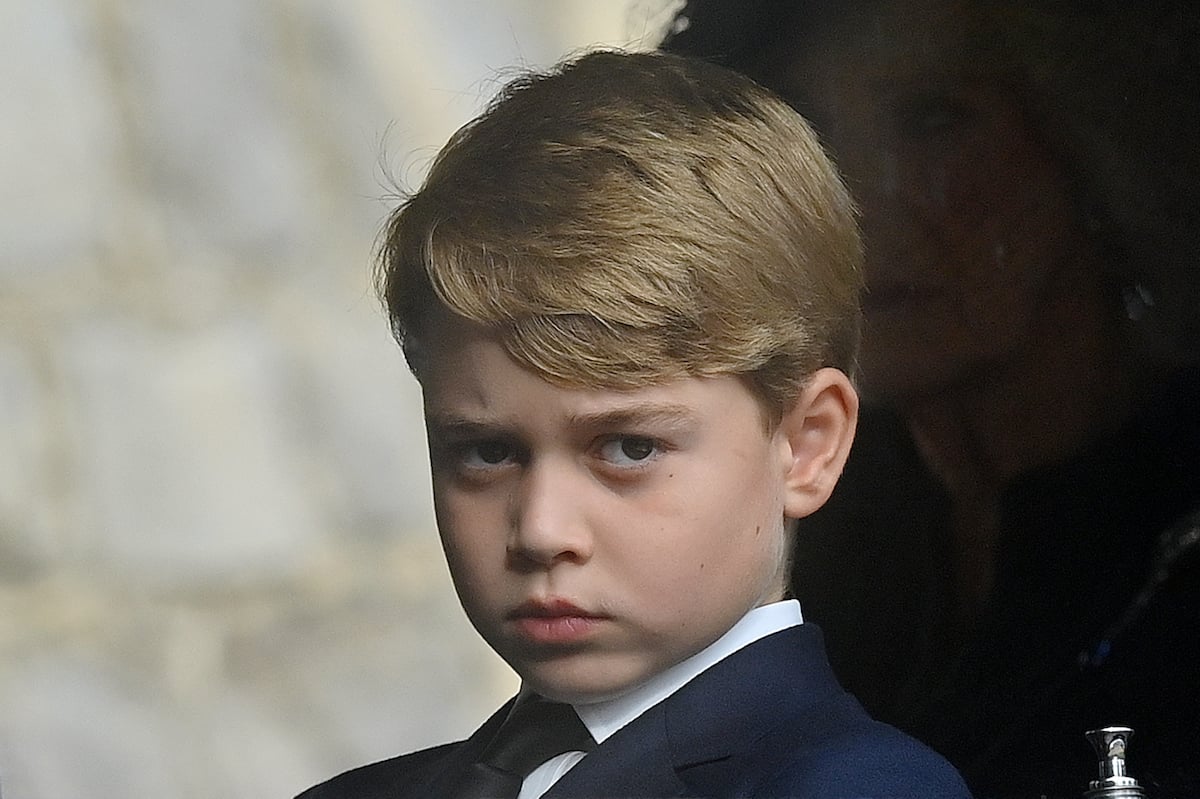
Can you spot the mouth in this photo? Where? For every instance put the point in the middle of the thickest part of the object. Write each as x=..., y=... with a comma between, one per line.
x=554, y=621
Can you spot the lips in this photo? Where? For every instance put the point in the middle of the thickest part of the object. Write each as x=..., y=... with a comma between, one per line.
x=554, y=621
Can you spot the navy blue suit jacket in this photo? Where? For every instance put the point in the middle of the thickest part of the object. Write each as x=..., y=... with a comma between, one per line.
x=768, y=721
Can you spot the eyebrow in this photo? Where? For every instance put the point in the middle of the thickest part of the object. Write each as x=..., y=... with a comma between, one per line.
x=651, y=414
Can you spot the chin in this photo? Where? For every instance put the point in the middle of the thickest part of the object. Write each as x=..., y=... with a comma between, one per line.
x=578, y=686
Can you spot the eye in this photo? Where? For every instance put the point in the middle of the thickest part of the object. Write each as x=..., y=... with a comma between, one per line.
x=629, y=450
x=485, y=454
x=473, y=459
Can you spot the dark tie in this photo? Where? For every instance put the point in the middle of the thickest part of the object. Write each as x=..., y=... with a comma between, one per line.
x=535, y=732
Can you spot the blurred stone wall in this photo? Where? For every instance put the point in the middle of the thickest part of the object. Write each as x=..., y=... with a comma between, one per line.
x=218, y=570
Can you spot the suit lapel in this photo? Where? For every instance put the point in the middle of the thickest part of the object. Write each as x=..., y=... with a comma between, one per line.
x=635, y=761
x=450, y=771
x=735, y=710
x=690, y=744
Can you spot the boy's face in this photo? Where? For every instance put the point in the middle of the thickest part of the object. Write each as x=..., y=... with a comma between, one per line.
x=597, y=537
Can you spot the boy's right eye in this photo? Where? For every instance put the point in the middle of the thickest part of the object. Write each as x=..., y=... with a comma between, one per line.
x=486, y=453
x=478, y=459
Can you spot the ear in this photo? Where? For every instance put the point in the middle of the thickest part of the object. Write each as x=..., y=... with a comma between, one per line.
x=815, y=437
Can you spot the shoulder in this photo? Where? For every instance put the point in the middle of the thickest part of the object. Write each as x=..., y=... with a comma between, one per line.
x=742, y=730
x=395, y=777
x=867, y=759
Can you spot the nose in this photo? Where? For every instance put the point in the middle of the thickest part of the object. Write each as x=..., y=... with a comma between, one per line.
x=547, y=523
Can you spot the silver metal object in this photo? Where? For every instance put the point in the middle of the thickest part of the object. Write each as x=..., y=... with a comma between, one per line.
x=1111, y=744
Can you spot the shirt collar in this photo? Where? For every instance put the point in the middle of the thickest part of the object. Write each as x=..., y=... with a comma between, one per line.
x=606, y=717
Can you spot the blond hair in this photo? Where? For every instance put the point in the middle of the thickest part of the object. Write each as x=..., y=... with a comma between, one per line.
x=632, y=218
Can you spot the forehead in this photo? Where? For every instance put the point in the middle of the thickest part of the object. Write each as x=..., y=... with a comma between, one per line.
x=468, y=376
x=567, y=356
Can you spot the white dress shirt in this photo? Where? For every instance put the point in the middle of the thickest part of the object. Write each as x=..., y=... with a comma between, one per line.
x=606, y=717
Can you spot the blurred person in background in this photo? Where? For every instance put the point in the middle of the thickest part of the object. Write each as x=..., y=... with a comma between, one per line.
x=1024, y=495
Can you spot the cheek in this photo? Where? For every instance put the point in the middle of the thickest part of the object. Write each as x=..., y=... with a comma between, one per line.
x=468, y=531
x=733, y=527
x=664, y=553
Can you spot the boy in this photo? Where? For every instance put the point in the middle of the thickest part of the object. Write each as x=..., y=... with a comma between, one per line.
x=629, y=291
